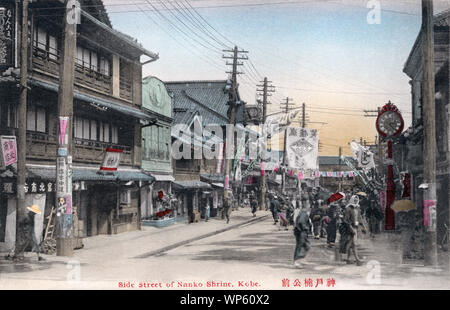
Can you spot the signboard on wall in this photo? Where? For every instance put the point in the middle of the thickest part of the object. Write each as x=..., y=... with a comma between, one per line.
x=8, y=151
x=112, y=160
x=7, y=35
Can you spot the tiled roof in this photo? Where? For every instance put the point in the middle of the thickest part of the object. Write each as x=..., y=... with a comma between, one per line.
x=208, y=99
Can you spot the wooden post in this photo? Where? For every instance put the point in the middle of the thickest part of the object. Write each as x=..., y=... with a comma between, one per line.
x=22, y=122
x=429, y=133
x=64, y=243
x=264, y=151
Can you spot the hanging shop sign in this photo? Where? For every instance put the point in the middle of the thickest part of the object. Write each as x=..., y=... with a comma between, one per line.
x=7, y=36
x=112, y=159
x=8, y=151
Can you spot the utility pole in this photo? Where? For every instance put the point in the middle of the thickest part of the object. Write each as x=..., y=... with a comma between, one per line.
x=374, y=114
x=64, y=219
x=266, y=88
x=303, y=115
x=429, y=132
x=287, y=106
x=229, y=154
x=22, y=122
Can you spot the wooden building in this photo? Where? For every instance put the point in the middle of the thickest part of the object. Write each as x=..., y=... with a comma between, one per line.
x=107, y=113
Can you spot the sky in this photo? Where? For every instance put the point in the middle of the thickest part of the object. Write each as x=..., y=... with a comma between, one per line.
x=322, y=53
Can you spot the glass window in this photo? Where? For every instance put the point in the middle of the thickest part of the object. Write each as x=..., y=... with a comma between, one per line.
x=78, y=127
x=104, y=66
x=40, y=120
x=86, y=129
x=93, y=130
x=31, y=118
x=94, y=61
x=79, y=55
x=86, y=58
x=114, y=138
x=106, y=132
x=41, y=39
x=52, y=47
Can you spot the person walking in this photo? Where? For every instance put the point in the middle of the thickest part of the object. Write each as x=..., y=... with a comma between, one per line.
x=348, y=229
x=28, y=236
x=253, y=203
x=374, y=216
x=316, y=217
x=332, y=219
x=301, y=229
x=274, y=208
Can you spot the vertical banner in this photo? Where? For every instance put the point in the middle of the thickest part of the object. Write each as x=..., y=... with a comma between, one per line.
x=63, y=138
x=7, y=35
x=302, y=148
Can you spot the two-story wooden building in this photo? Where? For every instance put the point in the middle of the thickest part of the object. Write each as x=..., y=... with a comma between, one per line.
x=156, y=144
x=107, y=114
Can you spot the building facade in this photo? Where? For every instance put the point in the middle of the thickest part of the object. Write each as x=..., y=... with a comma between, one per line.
x=107, y=114
x=156, y=145
x=410, y=147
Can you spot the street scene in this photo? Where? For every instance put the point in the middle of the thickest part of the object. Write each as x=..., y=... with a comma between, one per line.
x=224, y=145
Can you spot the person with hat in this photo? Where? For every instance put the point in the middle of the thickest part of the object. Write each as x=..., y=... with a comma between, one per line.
x=27, y=235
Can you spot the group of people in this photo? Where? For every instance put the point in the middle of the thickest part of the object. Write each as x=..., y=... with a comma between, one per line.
x=324, y=219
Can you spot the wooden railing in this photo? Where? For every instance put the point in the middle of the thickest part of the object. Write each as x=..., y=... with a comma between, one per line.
x=48, y=62
x=126, y=89
x=44, y=146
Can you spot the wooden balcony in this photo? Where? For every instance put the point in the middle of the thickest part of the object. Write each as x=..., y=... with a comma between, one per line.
x=41, y=146
x=47, y=63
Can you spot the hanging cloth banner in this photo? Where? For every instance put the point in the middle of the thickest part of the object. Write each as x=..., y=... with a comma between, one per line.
x=302, y=148
x=63, y=138
x=300, y=175
x=363, y=155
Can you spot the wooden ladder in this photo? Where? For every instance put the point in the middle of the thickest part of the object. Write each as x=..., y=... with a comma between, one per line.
x=48, y=244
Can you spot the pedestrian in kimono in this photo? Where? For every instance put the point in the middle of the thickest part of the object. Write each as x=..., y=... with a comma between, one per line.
x=332, y=218
x=253, y=203
x=348, y=229
x=301, y=229
x=27, y=236
x=274, y=208
x=374, y=216
x=316, y=218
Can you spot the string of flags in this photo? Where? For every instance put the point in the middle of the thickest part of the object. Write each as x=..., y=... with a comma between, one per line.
x=311, y=174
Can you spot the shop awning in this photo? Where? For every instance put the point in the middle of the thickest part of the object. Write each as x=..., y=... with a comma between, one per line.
x=163, y=177
x=217, y=184
x=212, y=178
x=94, y=99
x=191, y=185
x=83, y=174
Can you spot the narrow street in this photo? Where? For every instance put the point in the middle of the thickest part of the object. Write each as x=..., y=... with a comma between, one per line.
x=254, y=254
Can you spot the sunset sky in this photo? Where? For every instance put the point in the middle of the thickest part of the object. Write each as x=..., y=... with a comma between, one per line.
x=322, y=53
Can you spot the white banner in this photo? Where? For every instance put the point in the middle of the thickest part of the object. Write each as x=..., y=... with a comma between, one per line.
x=363, y=155
x=302, y=148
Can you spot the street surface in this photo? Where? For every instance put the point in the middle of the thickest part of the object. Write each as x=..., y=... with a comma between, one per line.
x=251, y=253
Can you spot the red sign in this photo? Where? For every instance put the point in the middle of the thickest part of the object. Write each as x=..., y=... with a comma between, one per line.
x=112, y=160
x=9, y=150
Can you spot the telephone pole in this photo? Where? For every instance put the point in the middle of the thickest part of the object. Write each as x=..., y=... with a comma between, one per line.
x=375, y=113
x=64, y=219
x=429, y=133
x=229, y=147
x=287, y=107
x=266, y=89
x=22, y=122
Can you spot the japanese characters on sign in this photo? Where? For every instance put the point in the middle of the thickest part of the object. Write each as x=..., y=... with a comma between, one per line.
x=61, y=175
x=7, y=31
x=112, y=160
x=9, y=150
